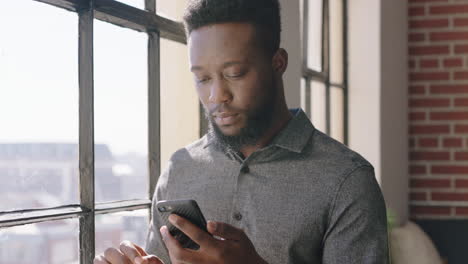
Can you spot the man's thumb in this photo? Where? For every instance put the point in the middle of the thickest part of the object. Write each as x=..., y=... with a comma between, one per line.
x=225, y=231
x=151, y=259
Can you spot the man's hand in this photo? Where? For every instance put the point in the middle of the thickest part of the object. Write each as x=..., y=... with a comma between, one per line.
x=128, y=253
x=235, y=248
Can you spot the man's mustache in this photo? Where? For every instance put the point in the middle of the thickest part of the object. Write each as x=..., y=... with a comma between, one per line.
x=220, y=108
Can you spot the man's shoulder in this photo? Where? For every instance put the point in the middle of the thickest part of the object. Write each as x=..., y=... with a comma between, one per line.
x=333, y=155
x=327, y=164
x=194, y=152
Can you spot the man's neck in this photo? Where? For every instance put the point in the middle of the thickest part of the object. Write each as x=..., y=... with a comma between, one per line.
x=281, y=120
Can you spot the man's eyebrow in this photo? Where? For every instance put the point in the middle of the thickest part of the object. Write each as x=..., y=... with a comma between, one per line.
x=225, y=65
x=196, y=68
x=231, y=63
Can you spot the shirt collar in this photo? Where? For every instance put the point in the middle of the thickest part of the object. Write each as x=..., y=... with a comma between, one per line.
x=297, y=132
x=293, y=137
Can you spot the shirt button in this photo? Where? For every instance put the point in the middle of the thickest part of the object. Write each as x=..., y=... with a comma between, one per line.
x=245, y=169
x=237, y=216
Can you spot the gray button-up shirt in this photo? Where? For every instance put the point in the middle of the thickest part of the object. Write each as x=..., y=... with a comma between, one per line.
x=305, y=198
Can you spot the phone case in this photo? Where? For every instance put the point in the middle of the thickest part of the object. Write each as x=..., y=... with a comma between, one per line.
x=187, y=209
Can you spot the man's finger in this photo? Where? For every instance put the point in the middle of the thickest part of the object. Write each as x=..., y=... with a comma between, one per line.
x=226, y=231
x=100, y=260
x=129, y=250
x=199, y=236
x=173, y=246
x=148, y=260
x=114, y=256
x=140, y=250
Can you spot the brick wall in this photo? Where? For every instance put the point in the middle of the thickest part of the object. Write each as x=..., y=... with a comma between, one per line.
x=438, y=103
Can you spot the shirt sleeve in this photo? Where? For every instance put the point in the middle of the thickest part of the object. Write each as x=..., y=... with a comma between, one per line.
x=154, y=244
x=357, y=226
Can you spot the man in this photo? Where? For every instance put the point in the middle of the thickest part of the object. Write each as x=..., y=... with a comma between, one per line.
x=276, y=189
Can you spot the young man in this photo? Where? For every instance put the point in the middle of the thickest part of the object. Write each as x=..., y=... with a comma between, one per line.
x=276, y=189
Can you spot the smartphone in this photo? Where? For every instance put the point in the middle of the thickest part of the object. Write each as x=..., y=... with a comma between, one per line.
x=187, y=209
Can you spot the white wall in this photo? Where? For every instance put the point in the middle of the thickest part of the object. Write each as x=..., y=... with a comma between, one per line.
x=394, y=106
x=378, y=94
x=364, y=80
x=179, y=99
x=291, y=42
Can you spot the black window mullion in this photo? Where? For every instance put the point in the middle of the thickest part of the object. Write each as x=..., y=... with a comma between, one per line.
x=33, y=216
x=317, y=76
x=154, y=111
x=337, y=85
x=326, y=63
x=325, y=53
x=126, y=16
x=86, y=134
x=70, y=5
x=120, y=206
x=345, y=72
x=308, y=92
x=150, y=5
x=305, y=36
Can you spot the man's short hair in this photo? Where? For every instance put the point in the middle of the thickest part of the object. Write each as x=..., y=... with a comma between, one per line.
x=263, y=14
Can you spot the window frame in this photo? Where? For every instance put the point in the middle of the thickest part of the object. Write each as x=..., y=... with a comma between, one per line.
x=323, y=76
x=130, y=17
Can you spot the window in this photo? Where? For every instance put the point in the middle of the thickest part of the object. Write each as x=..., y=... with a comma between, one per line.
x=324, y=75
x=81, y=107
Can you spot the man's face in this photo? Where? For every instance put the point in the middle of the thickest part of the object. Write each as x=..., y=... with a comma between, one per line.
x=234, y=79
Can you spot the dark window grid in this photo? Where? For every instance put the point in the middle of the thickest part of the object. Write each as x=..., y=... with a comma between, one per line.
x=323, y=76
x=156, y=27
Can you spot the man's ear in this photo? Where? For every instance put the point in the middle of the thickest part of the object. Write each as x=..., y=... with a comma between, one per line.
x=280, y=61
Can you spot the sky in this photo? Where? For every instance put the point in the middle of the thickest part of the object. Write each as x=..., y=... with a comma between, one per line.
x=39, y=79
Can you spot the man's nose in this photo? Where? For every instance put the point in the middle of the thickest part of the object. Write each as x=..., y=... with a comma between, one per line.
x=219, y=92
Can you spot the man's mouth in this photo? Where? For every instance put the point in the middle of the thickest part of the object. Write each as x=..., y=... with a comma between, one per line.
x=225, y=119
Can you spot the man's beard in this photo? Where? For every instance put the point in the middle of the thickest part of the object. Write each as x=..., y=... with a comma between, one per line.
x=257, y=123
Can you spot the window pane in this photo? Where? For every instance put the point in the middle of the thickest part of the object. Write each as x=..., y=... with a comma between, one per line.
x=336, y=41
x=171, y=9
x=180, y=122
x=121, y=113
x=136, y=3
x=319, y=105
x=54, y=242
x=111, y=229
x=314, y=45
x=337, y=113
x=38, y=105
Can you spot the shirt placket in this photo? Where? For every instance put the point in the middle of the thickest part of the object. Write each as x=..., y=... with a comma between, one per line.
x=237, y=213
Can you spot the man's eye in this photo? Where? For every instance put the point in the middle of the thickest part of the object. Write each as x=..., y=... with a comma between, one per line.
x=203, y=80
x=235, y=75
